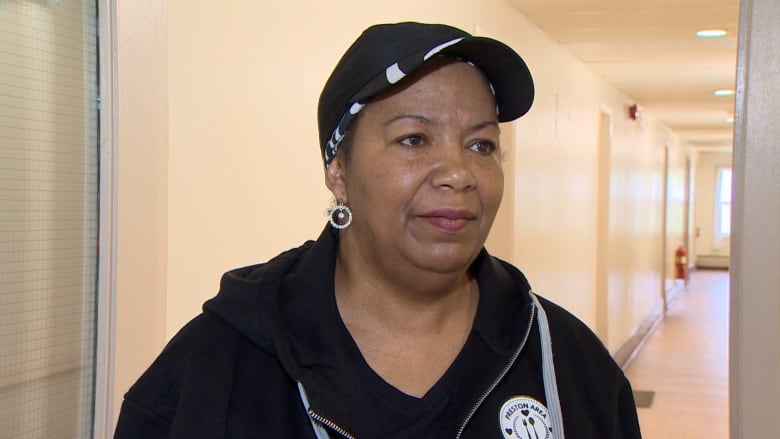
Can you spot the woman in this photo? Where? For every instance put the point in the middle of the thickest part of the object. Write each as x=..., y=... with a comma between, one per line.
x=396, y=322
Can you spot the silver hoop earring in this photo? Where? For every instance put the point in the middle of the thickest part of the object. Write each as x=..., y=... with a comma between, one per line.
x=340, y=216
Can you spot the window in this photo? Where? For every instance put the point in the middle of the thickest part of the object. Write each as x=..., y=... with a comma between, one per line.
x=48, y=217
x=723, y=203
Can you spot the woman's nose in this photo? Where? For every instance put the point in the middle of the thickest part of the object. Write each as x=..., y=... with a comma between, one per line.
x=451, y=168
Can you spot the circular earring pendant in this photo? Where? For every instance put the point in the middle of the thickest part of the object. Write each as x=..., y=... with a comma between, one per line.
x=340, y=216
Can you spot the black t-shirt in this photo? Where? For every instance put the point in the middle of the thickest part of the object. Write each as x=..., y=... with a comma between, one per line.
x=379, y=410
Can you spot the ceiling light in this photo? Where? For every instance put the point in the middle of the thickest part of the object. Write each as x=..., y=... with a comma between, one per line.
x=724, y=92
x=712, y=33
x=729, y=119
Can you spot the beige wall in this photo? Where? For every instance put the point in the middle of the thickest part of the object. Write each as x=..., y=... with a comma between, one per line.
x=556, y=194
x=219, y=164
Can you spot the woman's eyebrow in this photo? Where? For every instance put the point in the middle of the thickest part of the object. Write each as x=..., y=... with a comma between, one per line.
x=486, y=124
x=416, y=117
x=425, y=120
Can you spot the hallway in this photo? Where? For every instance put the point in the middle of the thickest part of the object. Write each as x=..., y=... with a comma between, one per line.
x=685, y=364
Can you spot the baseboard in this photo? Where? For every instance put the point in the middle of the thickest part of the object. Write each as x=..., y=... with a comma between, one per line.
x=675, y=290
x=631, y=347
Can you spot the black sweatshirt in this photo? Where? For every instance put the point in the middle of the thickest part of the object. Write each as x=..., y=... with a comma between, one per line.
x=267, y=358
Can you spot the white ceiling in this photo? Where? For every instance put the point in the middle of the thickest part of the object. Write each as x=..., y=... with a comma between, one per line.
x=649, y=51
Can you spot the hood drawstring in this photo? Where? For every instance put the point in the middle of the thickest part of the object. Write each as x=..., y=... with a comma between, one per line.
x=319, y=430
x=548, y=372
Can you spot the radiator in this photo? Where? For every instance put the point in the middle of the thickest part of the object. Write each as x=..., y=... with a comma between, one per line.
x=712, y=261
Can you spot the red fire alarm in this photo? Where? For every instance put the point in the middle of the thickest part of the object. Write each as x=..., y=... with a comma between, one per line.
x=633, y=112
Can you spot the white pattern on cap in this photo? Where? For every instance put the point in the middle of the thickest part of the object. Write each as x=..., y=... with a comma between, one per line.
x=356, y=107
x=394, y=74
x=332, y=146
x=441, y=47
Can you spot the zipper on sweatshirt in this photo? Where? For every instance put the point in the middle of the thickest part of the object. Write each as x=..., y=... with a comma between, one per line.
x=330, y=425
x=318, y=422
x=500, y=376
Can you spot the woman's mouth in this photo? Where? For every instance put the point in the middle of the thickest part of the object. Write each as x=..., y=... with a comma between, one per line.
x=449, y=220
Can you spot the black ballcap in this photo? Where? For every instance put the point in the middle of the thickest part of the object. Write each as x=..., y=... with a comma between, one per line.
x=384, y=54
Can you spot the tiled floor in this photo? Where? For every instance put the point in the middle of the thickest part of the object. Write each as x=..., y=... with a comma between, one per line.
x=685, y=362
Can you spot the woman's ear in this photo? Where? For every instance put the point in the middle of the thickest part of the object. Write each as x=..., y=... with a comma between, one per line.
x=335, y=179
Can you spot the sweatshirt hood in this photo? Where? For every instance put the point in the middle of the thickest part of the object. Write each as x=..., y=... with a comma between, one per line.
x=287, y=308
x=275, y=300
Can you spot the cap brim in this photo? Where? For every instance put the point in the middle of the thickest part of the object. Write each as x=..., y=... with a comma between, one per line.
x=504, y=68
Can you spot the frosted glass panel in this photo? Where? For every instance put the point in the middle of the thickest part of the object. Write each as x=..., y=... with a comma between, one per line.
x=48, y=217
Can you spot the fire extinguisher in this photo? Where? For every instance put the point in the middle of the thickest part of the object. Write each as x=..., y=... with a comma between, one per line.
x=680, y=263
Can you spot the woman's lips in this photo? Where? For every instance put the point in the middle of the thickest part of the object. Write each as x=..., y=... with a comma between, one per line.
x=449, y=220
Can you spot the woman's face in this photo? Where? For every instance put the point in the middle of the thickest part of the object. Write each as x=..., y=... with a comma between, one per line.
x=423, y=178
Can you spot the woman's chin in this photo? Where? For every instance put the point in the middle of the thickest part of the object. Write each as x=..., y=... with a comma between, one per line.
x=451, y=259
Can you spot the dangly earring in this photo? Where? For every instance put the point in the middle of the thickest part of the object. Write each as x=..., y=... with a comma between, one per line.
x=340, y=217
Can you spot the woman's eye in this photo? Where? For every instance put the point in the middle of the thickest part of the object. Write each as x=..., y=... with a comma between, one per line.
x=412, y=140
x=483, y=147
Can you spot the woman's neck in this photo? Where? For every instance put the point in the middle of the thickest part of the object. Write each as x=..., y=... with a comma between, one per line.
x=422, y=303
x=408, y=335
